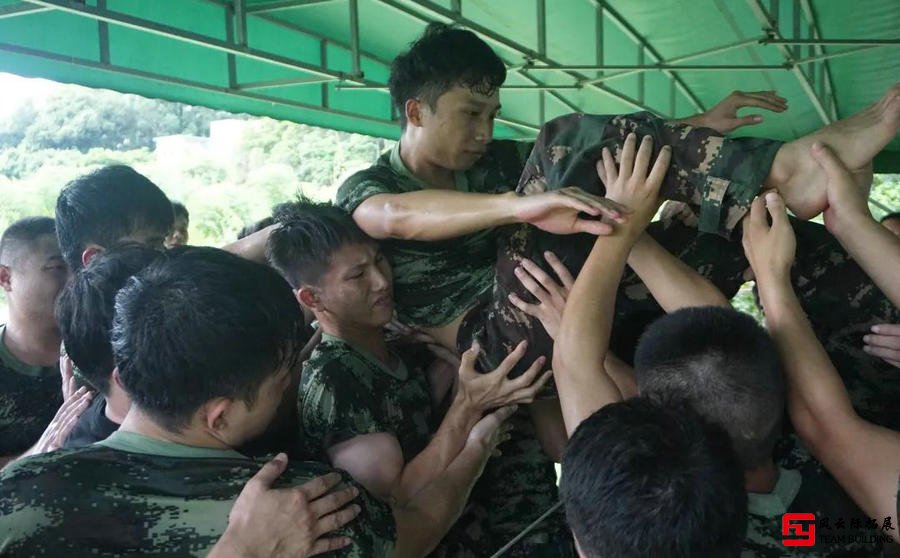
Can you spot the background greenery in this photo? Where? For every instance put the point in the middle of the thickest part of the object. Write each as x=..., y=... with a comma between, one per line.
x=46, y=143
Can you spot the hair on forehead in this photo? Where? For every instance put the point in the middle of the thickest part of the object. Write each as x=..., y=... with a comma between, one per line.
x=444, y=57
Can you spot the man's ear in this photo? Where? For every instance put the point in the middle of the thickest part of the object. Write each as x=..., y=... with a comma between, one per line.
x=215, y=413
x=308, y=297
x=413, y=110
x=90, y=251
x=5, y=278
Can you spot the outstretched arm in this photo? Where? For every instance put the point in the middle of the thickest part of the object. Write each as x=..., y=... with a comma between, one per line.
x=863, y=457
x=672, y=283
x=436, y=214
x=847, y=217
x=723, y=117
x=583, y=340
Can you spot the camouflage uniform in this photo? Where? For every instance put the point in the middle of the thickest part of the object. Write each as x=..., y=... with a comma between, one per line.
x=841, y=303
x=716, y=175
x=346, y=392
x=433, y=283
x=135, y=495
x=29, y=398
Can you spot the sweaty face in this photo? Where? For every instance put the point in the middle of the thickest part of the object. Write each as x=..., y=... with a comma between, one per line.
x=179, y=234
x=358, y=287
x=36, y=277
x=457, y=132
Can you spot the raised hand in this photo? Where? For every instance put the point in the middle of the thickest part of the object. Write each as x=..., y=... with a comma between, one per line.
x=551, y=294
x=494, y=389
x=558, y=211
x=884, y=342
x=630, y=184
x=723, y=117
x=769, y=248
x=63, y=422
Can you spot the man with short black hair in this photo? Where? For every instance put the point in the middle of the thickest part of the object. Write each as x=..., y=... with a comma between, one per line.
x=85, y=314
x=365, y=404
x=111, y=205
x=32, y=272
x=179, y=235
x=205, y=343
x=643, y=477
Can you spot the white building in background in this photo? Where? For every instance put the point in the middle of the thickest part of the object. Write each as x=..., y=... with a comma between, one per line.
x=223, y=143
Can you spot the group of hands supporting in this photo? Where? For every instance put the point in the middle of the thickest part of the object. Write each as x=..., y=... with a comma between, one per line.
x=577, y=313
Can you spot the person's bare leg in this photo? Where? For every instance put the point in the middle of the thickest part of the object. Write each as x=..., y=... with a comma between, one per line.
x=856, y=140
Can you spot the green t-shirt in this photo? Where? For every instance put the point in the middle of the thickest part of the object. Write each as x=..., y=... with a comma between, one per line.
x=434, y=282
x=134, y=495
x=346, y=392
x=29, y=398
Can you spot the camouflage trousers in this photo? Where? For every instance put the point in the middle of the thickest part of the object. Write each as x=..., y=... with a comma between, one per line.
x=717, y=176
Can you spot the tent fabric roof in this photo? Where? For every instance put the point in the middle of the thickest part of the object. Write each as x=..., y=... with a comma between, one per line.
x=326, y=62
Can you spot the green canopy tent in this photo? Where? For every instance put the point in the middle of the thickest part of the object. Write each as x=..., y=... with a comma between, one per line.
x=326, y=62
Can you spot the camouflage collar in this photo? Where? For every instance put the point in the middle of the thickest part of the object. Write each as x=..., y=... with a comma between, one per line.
x=778, y=501
x=133, y=442
x=10, y=362
x=398, y=166
x=399, y=373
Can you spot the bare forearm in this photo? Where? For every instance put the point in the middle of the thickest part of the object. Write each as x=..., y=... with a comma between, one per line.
x=445, y=446
x=816, y=393
x=672, y=283
x=583, y=339
x=424, y=521
x=252, y=247
x=433, y=214
x=876, y=250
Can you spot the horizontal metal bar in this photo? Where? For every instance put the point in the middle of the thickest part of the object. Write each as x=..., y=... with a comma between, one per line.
x=827, y=42
x=15, y=10
x=282, y=83
x=286, y=5
x=683, y=58
x=536, y=87
x=830, y=55
x=642, y=41
x=673, y=67
x=495, y=37
x=765, y=19
x=188, y=37
x=113, y=68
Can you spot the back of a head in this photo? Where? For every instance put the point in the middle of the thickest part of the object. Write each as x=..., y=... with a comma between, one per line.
x=85, y=308
x=726, y=366
x=200, y=324
x=21, y=236
x=443, y=58
x=106, y=205
x=641, y=478
x=179, y=210
x=308, y=235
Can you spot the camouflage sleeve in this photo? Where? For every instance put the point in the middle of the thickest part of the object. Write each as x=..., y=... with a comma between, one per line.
x=337, y=407
x=363, y=185
x=373, y=532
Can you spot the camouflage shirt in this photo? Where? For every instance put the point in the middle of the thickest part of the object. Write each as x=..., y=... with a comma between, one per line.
x=840, y=529
x=29, y=398
x=135, y=495
x=346, y=392
x=436, y=281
